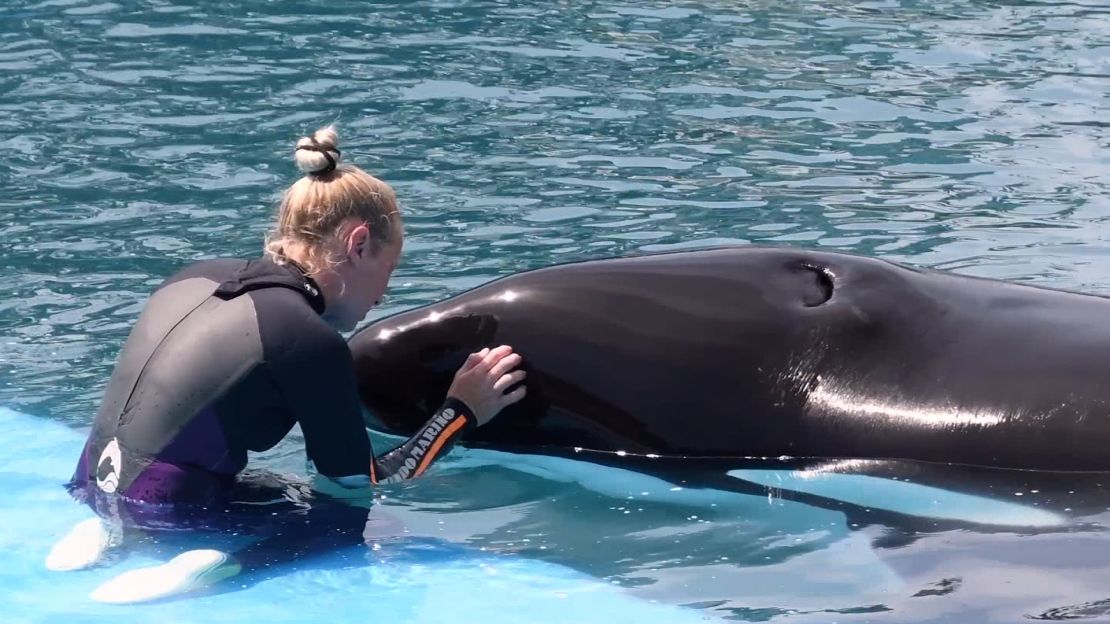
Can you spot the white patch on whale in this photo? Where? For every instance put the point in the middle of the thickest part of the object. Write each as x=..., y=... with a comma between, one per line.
x=902, y=497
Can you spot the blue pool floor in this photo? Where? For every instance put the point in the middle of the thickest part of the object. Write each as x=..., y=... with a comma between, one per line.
x=415, y=580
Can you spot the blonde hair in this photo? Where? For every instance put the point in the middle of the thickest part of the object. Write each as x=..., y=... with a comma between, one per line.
x=314, y=209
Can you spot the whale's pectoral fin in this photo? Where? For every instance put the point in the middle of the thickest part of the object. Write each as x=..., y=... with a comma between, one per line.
x=928, y=491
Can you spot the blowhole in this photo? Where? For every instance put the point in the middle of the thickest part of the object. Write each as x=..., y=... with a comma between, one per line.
x=821, y=289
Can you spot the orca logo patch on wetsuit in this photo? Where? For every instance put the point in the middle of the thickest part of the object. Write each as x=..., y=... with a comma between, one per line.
x=108, y=467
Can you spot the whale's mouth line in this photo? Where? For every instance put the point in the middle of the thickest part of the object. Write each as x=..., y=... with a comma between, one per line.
x=825, y=281
x=807, y=463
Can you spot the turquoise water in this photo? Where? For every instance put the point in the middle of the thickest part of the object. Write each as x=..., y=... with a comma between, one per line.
x=963, y=135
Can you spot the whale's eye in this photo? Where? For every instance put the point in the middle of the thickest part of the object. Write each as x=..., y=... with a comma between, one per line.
x=441, y=358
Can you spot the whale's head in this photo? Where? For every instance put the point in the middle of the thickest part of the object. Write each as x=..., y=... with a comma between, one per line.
x=404, y=364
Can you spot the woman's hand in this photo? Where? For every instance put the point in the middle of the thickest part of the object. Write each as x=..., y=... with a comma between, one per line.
x=483, y=379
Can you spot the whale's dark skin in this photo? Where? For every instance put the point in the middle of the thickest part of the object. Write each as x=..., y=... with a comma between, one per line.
x=751, y=352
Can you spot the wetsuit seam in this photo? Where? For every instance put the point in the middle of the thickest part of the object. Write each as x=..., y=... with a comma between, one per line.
x=127, y=407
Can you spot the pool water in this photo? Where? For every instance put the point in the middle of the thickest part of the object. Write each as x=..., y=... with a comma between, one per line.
x=963, y=135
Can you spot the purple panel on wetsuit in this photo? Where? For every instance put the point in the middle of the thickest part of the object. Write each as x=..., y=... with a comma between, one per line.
x=162, y=483
x=201, y=442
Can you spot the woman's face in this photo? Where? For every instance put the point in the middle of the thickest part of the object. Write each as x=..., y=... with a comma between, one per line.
x=378, y=271
x=365, y=275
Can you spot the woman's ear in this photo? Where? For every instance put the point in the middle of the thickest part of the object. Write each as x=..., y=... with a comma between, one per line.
x=359, y=245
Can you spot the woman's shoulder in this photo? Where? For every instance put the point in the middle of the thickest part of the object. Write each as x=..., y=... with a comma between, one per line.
x=287, y=324
x=216, y=270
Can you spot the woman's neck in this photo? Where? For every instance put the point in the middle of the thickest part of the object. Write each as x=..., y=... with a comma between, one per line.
x=330, y=283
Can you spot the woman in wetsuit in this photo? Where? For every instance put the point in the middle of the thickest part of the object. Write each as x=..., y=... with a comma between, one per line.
x=229, y=355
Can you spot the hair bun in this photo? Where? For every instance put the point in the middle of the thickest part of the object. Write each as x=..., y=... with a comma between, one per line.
x=318, y=153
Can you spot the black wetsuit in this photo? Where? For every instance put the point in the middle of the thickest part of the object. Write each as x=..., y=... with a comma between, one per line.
x=227, y=356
